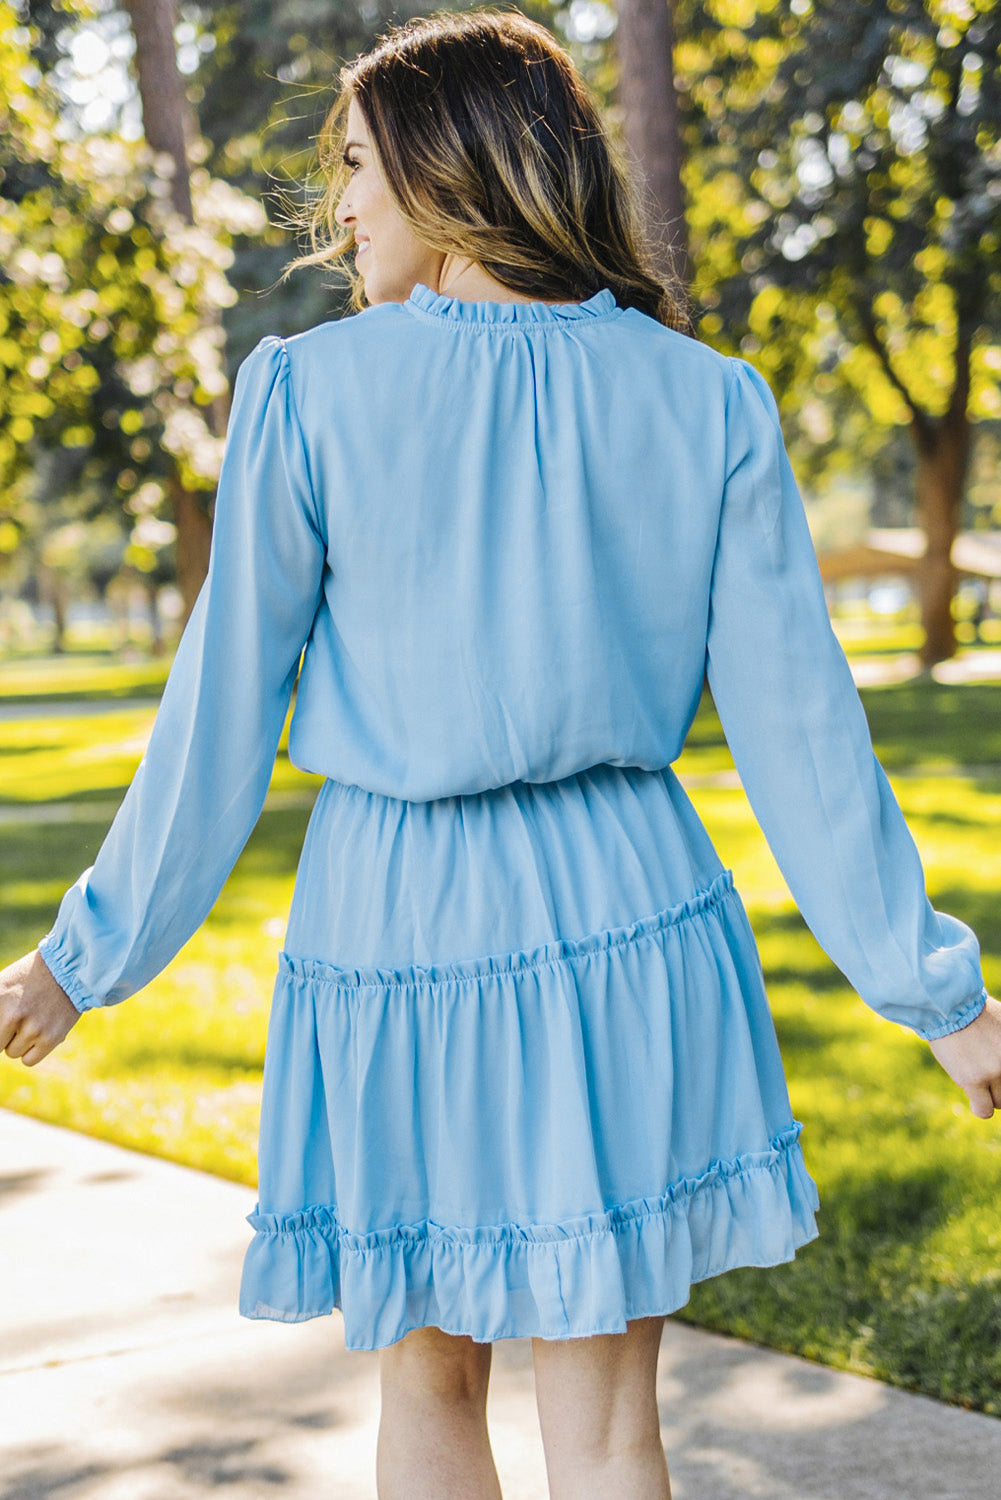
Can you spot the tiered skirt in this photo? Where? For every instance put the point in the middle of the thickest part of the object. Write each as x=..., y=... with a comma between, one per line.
x=521, y=1076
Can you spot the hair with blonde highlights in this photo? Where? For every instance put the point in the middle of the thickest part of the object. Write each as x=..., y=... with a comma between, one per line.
x=493, y=149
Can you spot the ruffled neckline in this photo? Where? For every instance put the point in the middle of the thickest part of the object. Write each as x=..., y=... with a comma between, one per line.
x=484, y=314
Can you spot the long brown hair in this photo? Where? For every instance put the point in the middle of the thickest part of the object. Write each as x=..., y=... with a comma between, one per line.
x=493, y=149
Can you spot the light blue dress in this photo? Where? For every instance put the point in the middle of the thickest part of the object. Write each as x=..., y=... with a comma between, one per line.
x=521, y=1076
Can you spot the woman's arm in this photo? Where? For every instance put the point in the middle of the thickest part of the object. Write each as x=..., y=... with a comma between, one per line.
x=800, y=740
x=201, y=784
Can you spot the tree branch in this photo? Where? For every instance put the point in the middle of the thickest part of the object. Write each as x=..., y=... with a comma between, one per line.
x=867, y=321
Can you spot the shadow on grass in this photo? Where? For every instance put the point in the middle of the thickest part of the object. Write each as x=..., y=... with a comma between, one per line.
x=821, y=981
x=946, y=819
x=112, y=791
x=979, y=909
x=888, y=1208
x=190, y=1056
x=151, y=690
x=936, y=1327
x=18, y=750
x=912, y=723
x=798, y=1034
x=870, y=1293
x=40, y=856
x=917, y=721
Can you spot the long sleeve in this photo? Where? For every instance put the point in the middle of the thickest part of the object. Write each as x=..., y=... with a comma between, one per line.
x=200, y=787
x=800, y=741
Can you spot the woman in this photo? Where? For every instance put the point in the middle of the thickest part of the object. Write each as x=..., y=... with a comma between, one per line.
x=521, y=1078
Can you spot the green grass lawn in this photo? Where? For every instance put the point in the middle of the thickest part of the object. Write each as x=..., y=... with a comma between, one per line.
x=904, y=1281
x=95, y=675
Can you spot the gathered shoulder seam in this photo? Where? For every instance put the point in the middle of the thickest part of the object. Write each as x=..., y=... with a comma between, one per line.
x=285, y=366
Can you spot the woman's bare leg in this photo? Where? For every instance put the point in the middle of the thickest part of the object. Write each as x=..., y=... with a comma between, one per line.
x=433, y=1442
x=597, y=1401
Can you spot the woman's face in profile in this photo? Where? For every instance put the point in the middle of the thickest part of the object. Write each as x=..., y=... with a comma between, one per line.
x=389, y=256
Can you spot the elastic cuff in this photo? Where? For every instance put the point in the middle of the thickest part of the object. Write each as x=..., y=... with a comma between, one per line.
x=958, y=1021
x=55, y=962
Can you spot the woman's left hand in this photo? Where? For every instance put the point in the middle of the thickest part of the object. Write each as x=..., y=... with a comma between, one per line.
x=35, y=1012
x=972, y=1058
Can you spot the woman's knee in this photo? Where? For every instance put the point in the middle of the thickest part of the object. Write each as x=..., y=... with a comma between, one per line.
x=430, y=1363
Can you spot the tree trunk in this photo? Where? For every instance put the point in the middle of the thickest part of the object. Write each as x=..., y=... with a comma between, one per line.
x=194, y=537
x=168, y=122
x=646, y=94
x=153, y=612
x=54, y=590
x=942, y=464
x=943, y=446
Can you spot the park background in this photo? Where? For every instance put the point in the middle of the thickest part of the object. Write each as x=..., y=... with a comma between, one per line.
x=826, y=178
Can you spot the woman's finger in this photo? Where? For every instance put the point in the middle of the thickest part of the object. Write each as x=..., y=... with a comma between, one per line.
x=8, y=1030
x=30, y=1048
x=16, y=1043
x=981, y=1101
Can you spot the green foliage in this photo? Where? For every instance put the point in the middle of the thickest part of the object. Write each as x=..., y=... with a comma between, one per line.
x=109, y=361
x=841, y=166
x=844, y=183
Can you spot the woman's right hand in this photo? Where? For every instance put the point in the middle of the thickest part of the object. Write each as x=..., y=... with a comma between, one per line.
x=36, y=1014
x=972, y=1058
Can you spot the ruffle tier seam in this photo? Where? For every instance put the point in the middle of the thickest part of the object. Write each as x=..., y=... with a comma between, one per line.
x=322, y=1218
x=545, y=955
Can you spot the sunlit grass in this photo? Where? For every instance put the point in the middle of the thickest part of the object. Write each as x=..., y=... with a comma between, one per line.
x=80, y=674
x=176, y=1069
x=90, y=756
x=864, y=635
x=904, y=1280
x=86, y=756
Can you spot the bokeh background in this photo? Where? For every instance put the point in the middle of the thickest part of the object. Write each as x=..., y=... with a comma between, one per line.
x=825, y=176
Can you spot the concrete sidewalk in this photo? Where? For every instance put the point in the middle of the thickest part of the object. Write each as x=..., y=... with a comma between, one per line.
x=126, y=1372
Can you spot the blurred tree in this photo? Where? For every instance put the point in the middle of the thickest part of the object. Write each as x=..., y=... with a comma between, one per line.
x=851, y=156
x=110, y=349
x=170, y=127
x=168, y=121
x=839, y=164
x=261, y=91
x=649, y=107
